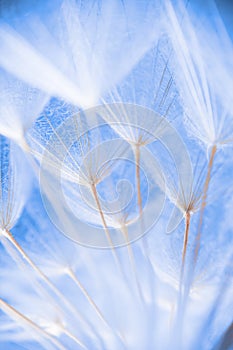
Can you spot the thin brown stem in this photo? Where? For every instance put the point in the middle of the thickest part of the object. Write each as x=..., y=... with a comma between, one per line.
x=22, y=319
x=186, y=235
x=10, y=237
x=138, y=178
x=44, y=278
x=108, y=236
x=139, y=200
x=132, y=260
x=96, y=197
x=137, y=154
x=183, y=294
x=203, y=202
x=185, y=243
x=74, y=278
x=180, y=302
x=74, y=338
x=22, y=264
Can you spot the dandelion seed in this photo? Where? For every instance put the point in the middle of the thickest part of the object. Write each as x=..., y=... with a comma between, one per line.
x=79, y=60
x=20, y=105
x=114, y=177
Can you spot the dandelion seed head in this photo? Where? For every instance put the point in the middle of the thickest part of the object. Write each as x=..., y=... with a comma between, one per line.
x=122, y=236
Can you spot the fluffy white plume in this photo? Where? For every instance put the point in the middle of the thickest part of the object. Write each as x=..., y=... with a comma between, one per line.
x=80, y=56
x=20, y=105
x=203, y=69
